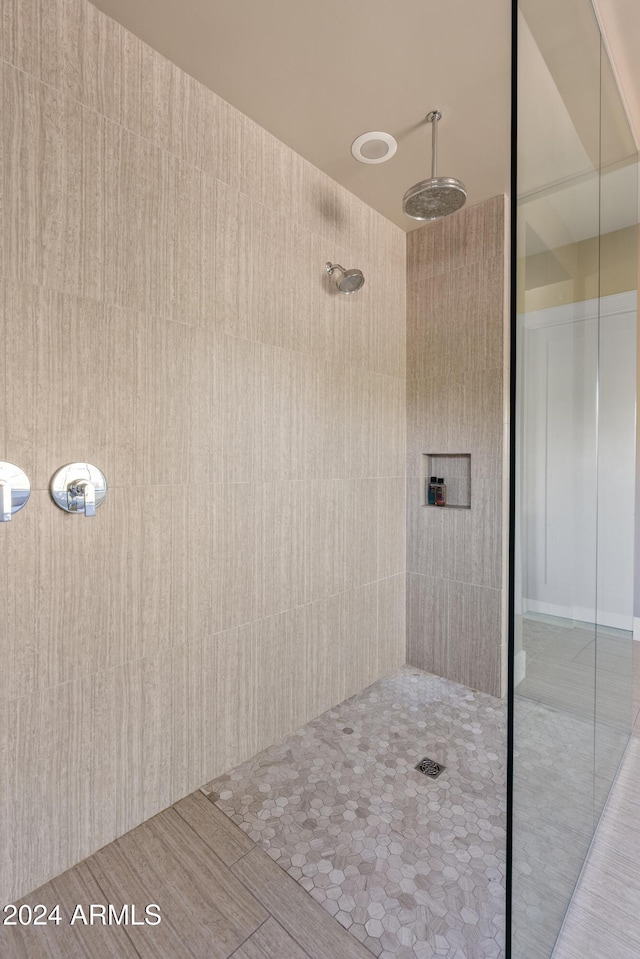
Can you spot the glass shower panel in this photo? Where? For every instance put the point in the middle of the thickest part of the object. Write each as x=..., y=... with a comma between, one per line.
x=616, y=434
x=555, y=582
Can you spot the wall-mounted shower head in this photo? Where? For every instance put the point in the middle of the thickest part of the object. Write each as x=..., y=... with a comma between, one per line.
x=439, y=195
x=349, y=281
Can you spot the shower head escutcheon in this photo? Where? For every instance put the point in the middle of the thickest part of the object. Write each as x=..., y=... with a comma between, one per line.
x=349, y=281
x=439, y=195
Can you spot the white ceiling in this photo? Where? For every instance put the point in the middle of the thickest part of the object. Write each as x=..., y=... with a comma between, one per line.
x=317, y=75
x=620, y=25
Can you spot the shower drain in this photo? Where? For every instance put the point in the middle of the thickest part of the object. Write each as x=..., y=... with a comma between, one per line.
x=429, y=767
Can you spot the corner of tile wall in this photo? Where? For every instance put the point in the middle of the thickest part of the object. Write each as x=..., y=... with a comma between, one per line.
x=457, y=396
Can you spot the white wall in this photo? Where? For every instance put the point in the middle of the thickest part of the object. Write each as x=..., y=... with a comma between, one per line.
x=578, y=456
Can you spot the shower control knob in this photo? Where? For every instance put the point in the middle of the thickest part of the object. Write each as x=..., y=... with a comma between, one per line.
x=15, y=490
x=79, y=488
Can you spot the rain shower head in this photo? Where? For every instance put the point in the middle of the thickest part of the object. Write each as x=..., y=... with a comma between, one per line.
x=439, y=195
x=349, y=281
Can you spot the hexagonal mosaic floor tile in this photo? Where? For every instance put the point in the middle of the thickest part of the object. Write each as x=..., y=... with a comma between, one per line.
x=412, y=866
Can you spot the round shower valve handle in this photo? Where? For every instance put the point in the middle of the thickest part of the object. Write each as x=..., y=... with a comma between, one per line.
x=79, y=488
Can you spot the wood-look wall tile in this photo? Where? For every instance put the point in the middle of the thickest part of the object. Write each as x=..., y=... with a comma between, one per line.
x=57, y=634
x=158, y=80
x=486, y=559
x=389, y=318
x=224, y=416
x=109, y=66
x=211, y=418
x=428, y=316
x=149, y=533
x=324, y=207
x=333, y=427
x=283, y=546
x=223, y=572
x=327, y=537
x=164, y=861
x=458, y=428
x=198, y=694
x=359, y=639
x=459, y=546
x=21, y=37
x=359, y=315
x=427, y=627
x=391, y=527
x=53, y=729
x=284, y=191
x=289, y=414
x=237, y=408
x=225, y=222
x=431, y=403
x=152, y=387
x=427, y=532
x=40, y=37
x=312, y=320
x=361, y=535
x=392, y=624
x=361, y=228
x=323, y=633
x=467, y=314
x=266, y=266
x=53, y=176
x=472, y=234
x=140, y=224
x=142, y=733
x=222, y=136
x=188, y=245
x=392, y=426
x=483, y=413
x=314, y=315
x=59, y=384
x=495, y=311
x=143, y=708
x=175, y=109
x=231, y=703
x=364, y=455
x=257, y=161
x=474, y=620
x=398, y=292
x=236, y=587
x=281, y=646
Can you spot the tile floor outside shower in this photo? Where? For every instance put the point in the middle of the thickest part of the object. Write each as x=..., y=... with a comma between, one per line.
x=412, y=867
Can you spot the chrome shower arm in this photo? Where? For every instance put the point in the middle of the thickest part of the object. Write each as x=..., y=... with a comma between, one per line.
x=330, y=267
x=433, y=118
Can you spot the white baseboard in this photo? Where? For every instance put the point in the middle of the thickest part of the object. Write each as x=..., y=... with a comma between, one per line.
x=581, y=614
x=520, y=667
x=636, y=627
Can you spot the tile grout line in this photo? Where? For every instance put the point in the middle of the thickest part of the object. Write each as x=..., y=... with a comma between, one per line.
x=126, y=928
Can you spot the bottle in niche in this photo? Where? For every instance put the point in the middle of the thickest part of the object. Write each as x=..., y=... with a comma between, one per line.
x=431, y=491
x=441, y=492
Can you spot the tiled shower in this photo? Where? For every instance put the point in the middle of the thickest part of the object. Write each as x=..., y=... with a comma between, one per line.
x=267, y=585
x=247, y=570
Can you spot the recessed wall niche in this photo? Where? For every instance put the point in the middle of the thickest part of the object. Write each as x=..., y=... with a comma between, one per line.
x=455, y=470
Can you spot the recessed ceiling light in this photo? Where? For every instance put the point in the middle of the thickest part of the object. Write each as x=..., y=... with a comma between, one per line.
x=375, y=147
